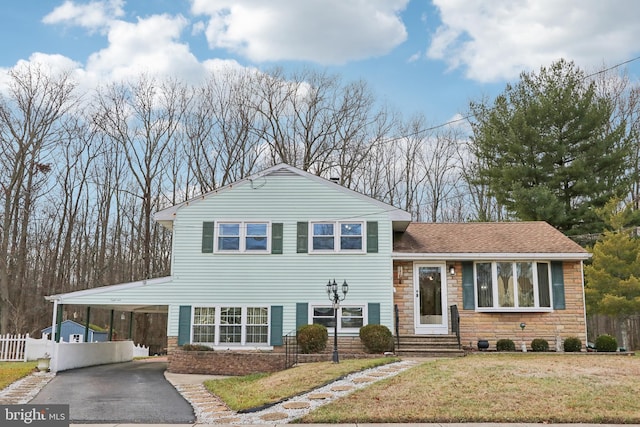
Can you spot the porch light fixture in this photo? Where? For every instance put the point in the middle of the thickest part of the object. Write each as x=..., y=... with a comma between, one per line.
x=332, y=293
x=452, y=270
x=122, y=316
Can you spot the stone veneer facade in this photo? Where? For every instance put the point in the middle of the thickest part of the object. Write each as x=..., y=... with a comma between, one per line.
x=553, y=326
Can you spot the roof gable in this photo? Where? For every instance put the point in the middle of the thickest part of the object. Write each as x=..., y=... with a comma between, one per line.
x=508, y=238
x=400, y=217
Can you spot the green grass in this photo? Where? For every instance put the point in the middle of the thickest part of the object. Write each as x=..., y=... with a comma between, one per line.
x=495, y=388
x=252, y=391
x=13, y=371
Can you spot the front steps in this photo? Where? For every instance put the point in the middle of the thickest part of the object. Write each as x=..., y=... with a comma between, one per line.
x=428, y=346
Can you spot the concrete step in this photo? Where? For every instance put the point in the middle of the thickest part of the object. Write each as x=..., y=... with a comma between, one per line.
x=428, y=346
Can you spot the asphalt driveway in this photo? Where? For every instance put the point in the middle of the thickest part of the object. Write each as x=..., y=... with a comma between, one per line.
x=131, y=392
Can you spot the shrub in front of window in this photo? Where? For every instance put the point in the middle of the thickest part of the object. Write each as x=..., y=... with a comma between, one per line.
x=196, y=347
x=539, y=344
x=572, y=344
x=312, y=338
x=606, y=343
x=505, y=344
x=376, y=338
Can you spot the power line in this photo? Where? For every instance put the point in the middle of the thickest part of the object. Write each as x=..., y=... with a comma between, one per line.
x=467, y=117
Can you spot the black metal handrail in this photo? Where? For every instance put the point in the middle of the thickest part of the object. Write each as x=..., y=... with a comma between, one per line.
x=397, y=324
x=291, y=349
x=455, y=323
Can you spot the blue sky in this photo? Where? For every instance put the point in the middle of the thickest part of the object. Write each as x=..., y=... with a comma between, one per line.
x=421, y=56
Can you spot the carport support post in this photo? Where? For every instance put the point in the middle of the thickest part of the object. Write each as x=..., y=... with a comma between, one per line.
x=111, y=326
x=58, y=331
x=87, y=324
x=131, y=325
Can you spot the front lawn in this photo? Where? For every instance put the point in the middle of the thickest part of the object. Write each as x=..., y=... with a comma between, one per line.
x=252, y=391
x=499, y=388
x=13, y=371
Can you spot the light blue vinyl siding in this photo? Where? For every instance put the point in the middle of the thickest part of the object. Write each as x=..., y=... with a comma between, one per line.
x=290, y=277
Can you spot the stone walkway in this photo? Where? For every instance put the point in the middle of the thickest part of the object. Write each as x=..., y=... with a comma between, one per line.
x=25, y=389
x=209, y=409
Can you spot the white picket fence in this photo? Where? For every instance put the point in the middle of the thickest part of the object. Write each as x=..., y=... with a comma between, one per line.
x=13, y=347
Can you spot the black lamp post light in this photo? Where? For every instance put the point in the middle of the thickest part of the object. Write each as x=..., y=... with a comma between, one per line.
x=332, y=292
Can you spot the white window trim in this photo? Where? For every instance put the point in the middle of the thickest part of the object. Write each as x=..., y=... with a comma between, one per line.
x=494, y=279
x=336, y=238
x=242, y=345
x=365, y=315
x=243, y=237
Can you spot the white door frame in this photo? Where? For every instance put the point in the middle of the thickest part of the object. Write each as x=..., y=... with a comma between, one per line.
x=430, y=328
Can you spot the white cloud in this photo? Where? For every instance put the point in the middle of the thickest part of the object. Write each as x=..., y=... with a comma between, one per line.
x=96, y=15
x=322, y=31
x=498, y=40
x=150, y=46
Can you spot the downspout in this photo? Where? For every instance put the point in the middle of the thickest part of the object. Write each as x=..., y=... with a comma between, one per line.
x=584, y=306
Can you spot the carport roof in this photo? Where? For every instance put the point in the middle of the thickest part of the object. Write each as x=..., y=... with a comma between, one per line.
x=90, y=297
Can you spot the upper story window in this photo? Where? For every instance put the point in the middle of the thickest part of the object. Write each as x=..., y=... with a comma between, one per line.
x=518, y=285
x=337, y=237
x=242, y=237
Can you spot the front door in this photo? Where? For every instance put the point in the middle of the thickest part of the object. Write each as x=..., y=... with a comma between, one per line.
x=430, y=299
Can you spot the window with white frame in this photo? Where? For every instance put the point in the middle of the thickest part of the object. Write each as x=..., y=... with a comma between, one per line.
x=228, y=325
x=350, y=317
x=513, y=285
x=341, y=236
x=247, y=237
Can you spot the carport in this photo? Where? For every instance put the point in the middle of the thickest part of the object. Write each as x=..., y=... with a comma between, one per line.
x=144, y=296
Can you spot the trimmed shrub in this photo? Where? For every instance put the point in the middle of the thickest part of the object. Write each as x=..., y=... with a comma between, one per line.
x=505, y=344
x=376, y=338
x=606, y=343
x=312, y=338
x=196, y=347
x=572, y=344
x=539, y=344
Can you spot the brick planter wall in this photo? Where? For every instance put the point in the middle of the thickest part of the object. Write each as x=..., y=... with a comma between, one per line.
x=222, y=362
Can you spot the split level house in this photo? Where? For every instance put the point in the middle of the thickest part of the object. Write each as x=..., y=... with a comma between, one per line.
x=251, y=262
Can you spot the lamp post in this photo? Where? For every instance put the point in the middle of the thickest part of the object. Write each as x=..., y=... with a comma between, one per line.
x=332, y=292
x=523, y=345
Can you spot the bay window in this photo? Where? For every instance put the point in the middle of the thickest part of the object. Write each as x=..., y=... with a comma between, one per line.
x=513, y=285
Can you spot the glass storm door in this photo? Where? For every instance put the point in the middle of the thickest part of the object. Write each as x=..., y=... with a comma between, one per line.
x=430, y=299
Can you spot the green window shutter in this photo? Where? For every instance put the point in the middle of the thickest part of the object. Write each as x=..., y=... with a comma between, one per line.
x=184, y=325
x=557, y=285
x=302, y=314
x=207, y=237
x=372, y=236
x=374, y=313
x=468, y=302
x=303, y=238
x=276, y=238
x=276, y=325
